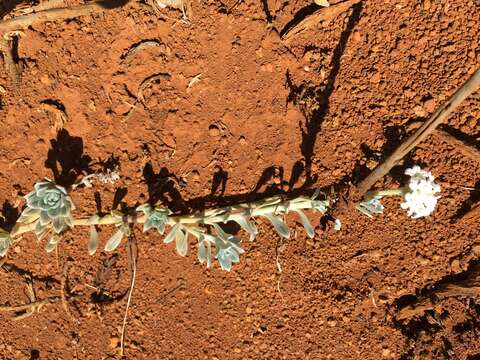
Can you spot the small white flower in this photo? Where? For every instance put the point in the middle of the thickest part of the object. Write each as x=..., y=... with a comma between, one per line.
x=420, y=200
x=338, y=225
x=111, y=176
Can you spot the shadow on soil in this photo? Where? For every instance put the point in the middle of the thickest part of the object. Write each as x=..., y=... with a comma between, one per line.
x=9, y=216
x=320, y=97
x=467, y=205
x=425, y=320
x=66, y=158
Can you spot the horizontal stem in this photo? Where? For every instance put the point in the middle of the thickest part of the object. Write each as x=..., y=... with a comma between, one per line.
x=274, y=205
x=388, y=192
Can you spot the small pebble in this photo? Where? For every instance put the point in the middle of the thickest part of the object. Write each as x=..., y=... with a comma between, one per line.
x=214, y=131
x=114, y=341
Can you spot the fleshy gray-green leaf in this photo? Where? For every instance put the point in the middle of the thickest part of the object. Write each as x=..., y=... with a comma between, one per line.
x=306, y=224
x=51, y=244
x=5, y=242
x=93, y=241
x=145, y=208
x=147, y=225
x=58, y=224
x=279, y=225
x=248, y=226
x=171, y=235
x=222, y=234
x=29, y=215
x=39, y=229
x=181, y=242
x=202, y=252
x=372, y=206
x=209, y=255
x=115, y=240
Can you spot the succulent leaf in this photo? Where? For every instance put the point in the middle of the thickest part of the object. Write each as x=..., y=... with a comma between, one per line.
x=306, y=224
x=5, y=242
x=181, y=242
x=51, y=243
x=172, y=234
x=248, y=226
x=93, y=241
x=115, y=240
x=49, y=203
x=279, y=225
x=228, y=252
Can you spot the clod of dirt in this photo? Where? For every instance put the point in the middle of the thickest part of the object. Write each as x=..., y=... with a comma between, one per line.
x=213, y=131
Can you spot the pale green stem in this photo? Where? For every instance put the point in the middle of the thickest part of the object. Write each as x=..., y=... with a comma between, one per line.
x=274, y=205
x=388, y=192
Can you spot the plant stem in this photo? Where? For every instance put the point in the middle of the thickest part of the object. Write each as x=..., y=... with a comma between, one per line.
x=275, y=205
x=388, y=192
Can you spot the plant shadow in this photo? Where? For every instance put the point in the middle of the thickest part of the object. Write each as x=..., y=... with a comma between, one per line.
x=320, y=96
x=66, y=159
x=468, y=204
x=9, y=216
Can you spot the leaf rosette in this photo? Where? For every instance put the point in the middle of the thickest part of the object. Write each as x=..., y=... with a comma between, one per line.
x=48, y=204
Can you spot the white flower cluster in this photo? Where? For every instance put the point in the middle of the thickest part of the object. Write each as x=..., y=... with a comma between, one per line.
x=109, y=177
x=420, y=200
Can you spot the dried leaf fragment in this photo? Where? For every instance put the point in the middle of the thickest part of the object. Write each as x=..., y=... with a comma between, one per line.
x=323, y=3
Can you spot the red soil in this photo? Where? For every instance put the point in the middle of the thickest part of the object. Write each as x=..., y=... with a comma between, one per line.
x=268, y=116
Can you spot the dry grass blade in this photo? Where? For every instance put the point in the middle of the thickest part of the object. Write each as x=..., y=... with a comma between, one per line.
x=64, y=288
x=34, y=306
x=135, y=49
x=194, y=80
x=42, y=6
x=183, y=5
x=132, y=264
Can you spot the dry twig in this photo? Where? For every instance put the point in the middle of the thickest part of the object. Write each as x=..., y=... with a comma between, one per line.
x=60, y=117
x=23, y=22
x=470, y=86
x=468, y=287
x=34, y=306
x=64, y=289
x=143, y=86
x=326, y=13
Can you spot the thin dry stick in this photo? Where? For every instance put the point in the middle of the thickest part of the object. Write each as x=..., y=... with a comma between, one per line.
x=44, y=5
x=132, y=261
x=33, y=306
x=25, y=21
x=470, y=86
x=64, y=289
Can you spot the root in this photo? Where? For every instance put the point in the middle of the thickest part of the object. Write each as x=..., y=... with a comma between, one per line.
x=23, y=22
